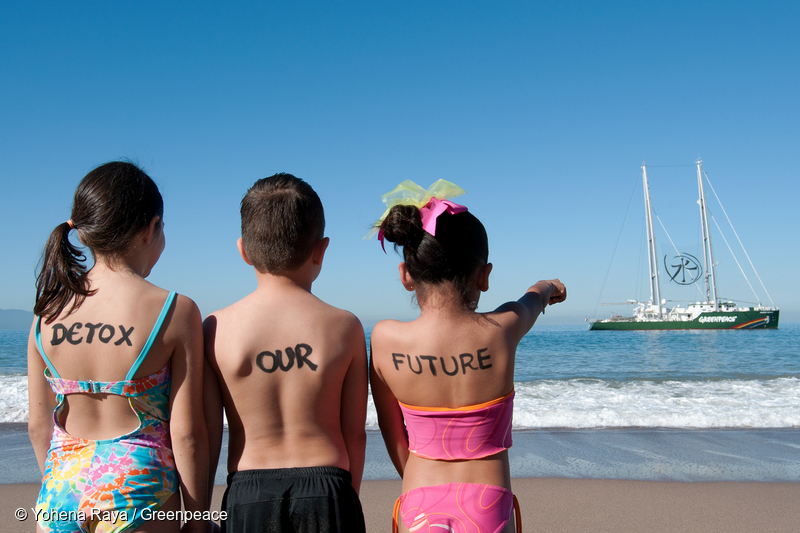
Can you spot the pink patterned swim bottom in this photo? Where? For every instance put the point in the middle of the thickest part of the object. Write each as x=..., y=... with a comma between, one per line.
x=456, y=508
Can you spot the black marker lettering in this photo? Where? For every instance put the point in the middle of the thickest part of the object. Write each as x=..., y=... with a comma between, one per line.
x=125, y=336
x=289, y=356
x=72, y=333
x=59, y=334
x=300, y=354
x=419, y=364
x=468, y=364
x=481, y=359
x=91, y=328
x=260, y=362
x=455, y=369
x=397, y=358
x=302, y=358
x=106, y=328
x=430, y=360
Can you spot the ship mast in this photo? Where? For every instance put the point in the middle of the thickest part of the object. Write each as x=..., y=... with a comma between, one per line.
x=708, y=251
x=655, y=286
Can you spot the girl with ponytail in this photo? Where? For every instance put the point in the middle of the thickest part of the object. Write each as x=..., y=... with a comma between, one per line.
x=114, y=369
x=443, y=384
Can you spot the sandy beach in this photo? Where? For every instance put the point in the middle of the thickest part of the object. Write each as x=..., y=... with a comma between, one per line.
x=570, y=481
x=576, y=505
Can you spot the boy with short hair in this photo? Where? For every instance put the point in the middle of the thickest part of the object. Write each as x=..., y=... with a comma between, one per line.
x=292, y=376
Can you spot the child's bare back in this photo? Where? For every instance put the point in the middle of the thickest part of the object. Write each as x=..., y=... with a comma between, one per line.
x=289, y=367
x=291, y=372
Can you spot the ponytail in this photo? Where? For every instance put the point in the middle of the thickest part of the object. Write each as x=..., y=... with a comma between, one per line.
x=112, y=204
x=62, y=278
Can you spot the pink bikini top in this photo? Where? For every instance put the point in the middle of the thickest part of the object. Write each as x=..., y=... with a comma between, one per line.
x=469, y=432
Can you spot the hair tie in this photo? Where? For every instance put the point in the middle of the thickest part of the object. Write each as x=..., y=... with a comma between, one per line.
x=431, y=204
x=71, y=224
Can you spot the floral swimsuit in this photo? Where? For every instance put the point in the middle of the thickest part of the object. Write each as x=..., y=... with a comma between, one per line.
x=114, y=484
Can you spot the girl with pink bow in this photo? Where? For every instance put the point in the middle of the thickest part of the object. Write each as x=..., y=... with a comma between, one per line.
x=443, y=384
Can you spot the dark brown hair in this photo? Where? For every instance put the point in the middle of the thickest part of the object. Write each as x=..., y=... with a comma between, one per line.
x=282, y=220
x=111, y=205
x=454, y=255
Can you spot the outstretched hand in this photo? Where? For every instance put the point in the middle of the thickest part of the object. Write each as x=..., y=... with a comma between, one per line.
x=559, y=293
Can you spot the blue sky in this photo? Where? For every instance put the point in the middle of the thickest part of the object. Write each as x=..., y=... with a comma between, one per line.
x=543, y=112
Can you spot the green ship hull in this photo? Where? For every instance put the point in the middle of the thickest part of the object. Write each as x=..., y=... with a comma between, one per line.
x=686, y=269
x=750, y=319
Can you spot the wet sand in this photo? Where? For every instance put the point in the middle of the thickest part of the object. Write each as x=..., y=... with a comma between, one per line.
x=570, y=505
x=635, y=480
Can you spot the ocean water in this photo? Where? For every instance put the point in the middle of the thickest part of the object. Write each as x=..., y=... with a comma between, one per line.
x=570, y=378
x=662, y=405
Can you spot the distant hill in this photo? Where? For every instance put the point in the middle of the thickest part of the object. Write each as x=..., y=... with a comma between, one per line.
x=15, y=319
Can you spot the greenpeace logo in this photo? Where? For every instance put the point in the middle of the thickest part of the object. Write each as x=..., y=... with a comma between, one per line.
x=706, y=319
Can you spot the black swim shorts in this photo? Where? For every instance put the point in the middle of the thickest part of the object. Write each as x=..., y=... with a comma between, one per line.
x=297, y=500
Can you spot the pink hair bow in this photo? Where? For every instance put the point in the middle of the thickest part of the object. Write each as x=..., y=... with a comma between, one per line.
x=435, y=207
x=431, y=203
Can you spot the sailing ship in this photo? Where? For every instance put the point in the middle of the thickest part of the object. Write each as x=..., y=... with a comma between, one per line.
x=713, y=313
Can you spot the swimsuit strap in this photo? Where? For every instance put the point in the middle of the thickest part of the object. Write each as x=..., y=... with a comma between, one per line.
x=38, y=336
x=152, y=337
x=517, y=514
x=396, y=516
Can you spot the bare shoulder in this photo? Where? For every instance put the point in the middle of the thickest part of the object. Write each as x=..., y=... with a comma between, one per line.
x=387, y=333
x=351, y=323
x=225, y=312
x=221, y=320
x=339, y=320
x=185, y=308
x=185, y=320
x=218, y=327
x=387, y=329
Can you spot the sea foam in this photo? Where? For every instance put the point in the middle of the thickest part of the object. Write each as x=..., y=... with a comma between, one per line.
x=592, y=403
x=13, y=398
x=595, y=403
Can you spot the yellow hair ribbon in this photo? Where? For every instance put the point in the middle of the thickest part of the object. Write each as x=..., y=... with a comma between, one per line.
x=409, y=193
